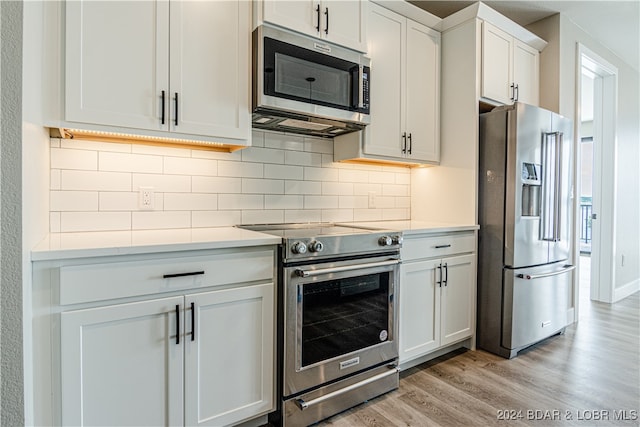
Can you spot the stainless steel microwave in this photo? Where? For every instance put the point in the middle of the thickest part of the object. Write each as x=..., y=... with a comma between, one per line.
x=305, y=85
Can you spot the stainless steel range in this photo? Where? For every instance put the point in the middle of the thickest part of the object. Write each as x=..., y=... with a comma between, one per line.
x=337, y=319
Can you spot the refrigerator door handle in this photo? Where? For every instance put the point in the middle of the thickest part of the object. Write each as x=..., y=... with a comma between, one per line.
x=550, y=182
x=566, y=269
x=559, y=138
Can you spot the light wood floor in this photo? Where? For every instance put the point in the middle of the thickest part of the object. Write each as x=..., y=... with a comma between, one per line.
x=587, y=373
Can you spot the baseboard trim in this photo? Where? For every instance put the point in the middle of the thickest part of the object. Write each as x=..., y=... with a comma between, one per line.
x=467, y=343
x=624, y=291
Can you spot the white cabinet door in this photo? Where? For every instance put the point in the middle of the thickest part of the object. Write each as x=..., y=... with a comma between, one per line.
x=457, y=306
x=526, y=68
x=304, y=16
x=121, y=365
x=229, y=363
x=497, y=61
x=210, y=51
x=117, y=57
x=419, y=309
x=341, y=22
x=423, y=93
x=387, y=51
x=345, y=23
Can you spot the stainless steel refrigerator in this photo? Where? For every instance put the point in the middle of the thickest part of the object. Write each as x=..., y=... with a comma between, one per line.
x=524, y=271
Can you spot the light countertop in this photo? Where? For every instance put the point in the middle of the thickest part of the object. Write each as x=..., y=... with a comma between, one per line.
x=108, y=243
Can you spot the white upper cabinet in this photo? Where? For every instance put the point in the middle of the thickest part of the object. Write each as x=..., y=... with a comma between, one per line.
x=510, y=68
x=341, y=22
x=176, y=67
x=405, y=94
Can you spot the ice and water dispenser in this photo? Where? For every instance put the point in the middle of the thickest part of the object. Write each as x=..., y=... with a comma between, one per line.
x=531, y=185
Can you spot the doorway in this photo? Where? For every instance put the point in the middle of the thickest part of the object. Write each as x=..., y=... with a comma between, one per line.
x=596, y=172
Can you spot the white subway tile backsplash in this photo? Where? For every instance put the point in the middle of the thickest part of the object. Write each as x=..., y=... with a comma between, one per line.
x=263, y=155
x=120, y=201
x=351, y=202
x=337, y=188
x=320, y=174
x=160, y=219
x=302, y=187
x=190, y=166
x=395, y=190
x=337, y=215
x=240, y=201
x=126, y=162
x=94, y=221
x=283, y=202
x=320, y=202
x=367, y=214
x=74, y=201
x=263, y=217
x=262, y=186
x=206, y=184
x=95, y=181
x=304, y=215
x=200, y=219
x=74, y=159
x=94, y=186
x=162, y=183
x=283, y=141
x=352, y=175
x=190, y=202
x=240, y=169
x=283, y=172
x=302, y=158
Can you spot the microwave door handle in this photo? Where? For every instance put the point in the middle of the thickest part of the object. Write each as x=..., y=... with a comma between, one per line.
x=361, y=86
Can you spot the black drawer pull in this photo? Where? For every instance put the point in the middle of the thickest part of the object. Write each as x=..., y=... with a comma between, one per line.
x=177, y=324
x=193, y=273
x=193, y=321
x=443, y=246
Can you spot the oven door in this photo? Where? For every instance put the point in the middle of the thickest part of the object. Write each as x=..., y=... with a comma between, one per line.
x=339, y=319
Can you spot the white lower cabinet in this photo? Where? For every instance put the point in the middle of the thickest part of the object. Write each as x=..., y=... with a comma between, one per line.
x=199, y=352
x=437, y=294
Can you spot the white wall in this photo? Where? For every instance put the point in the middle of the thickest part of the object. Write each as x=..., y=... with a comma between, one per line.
x=561, y=58
x=281, y=178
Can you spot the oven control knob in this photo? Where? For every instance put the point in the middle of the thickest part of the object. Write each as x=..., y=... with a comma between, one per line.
x=397, y=240
x=316, y=246
x=385, y=241
x=299, y=248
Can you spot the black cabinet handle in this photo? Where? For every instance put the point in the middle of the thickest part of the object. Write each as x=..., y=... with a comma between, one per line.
x=318, y=18
x=439, y=282
x=446, y=274
x=442, y=246
x=163, y=107
x=176, y=120
x=192, y=273
x=513, y=92
x=193, y=321
x=177, y=324
x=410, y=143
x=517, y=92
x=404, y=142
x=326, y=27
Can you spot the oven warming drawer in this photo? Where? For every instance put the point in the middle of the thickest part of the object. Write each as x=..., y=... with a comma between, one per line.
x=326, y=401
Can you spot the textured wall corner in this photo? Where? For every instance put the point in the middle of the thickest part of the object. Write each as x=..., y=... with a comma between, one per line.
x=11, y=346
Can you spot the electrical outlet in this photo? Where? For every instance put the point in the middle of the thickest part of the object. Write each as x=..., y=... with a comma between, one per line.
x=372, y=199
x=146, y=198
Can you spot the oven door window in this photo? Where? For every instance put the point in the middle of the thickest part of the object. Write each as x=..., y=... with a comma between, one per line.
x=343, y=315
x=292, y=72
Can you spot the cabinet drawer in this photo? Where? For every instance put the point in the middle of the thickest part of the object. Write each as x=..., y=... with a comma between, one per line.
x=103, y=281
x=437, y=246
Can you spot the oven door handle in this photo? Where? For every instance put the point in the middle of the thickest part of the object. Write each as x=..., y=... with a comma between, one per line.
x=309, y=273
x=305, y=405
